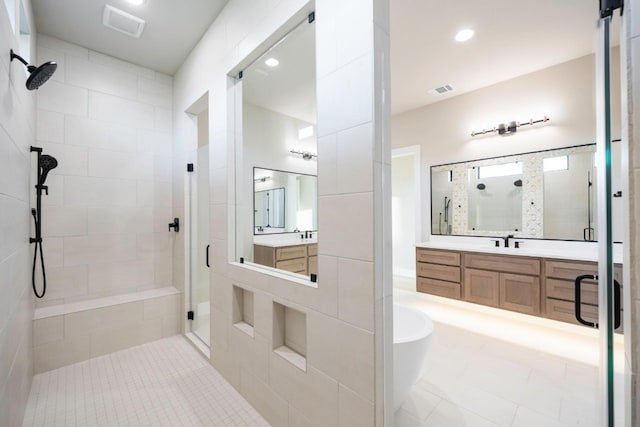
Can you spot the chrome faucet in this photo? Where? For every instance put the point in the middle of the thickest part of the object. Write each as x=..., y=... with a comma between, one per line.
x=506, y=240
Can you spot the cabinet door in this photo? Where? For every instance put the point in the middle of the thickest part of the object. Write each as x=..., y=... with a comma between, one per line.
x=520, y=293
x=482, y=287
x=313, y=265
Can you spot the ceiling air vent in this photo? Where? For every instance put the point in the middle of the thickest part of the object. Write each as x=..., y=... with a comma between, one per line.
x=122, y=21
x=441, y=90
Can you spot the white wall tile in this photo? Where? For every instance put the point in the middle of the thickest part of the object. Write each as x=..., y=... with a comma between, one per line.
x=56, y=354
x=155, y=93
x=118, y=220
x=109, y=278
x=163, y=119
x=13, y=163
x=153, y=245
x=112, y=164
x=101, y=78
x=93, y=250
x=100, y=58
x=14, y=228
x=162, y=169
x=50, y=126
x=155, y=143
x=65, y=282
x=64, y=222
x=120, y=111
x=110, y=340
x=355, y=159
x=89, y=191
x=94, y=133
x=62, y=98
x=354, y=410
x=356, y=293
x=62, y=46
x=72, y=160
x=47, y=330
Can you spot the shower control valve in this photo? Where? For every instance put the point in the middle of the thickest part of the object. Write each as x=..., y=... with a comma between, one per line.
x=175, y=225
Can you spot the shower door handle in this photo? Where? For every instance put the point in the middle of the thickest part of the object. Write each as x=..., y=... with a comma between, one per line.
x=207, y=256
x=617, y=302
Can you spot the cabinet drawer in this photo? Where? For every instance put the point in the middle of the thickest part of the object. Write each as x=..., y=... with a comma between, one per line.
x=290, y=252
x=568, y=269
x=298, y=265
x=565, y=290
x=438, y=287
x=438, y=257
x=482, y=287
x=565, y=311
x=312, y=249
x=313, y=265
x=437, y=271
x=503, y=263
x=520, y=293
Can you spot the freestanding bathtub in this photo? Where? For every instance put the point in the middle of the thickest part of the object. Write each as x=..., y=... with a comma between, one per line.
x=411, y=332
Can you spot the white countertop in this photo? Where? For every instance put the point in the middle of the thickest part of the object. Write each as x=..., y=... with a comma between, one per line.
x=580, y=251
x=281, y=240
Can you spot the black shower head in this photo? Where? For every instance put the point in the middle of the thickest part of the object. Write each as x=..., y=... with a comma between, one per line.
x=481, y=186
x=47, y=163
x=38, y=75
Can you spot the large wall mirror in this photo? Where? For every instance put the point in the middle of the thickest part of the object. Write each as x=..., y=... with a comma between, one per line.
x=276, y=156
x=546, y=194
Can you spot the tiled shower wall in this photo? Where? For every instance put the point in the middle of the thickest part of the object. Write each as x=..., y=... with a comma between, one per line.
x=17, y=133
x=345, y=341
x=109, y=124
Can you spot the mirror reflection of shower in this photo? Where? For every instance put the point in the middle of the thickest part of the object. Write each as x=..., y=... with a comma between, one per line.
x=447, y=227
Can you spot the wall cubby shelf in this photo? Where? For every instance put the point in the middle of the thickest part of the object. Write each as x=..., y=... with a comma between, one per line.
x=242, y=310
x=290, y=335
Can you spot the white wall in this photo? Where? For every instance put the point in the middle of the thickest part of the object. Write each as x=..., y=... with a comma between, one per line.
x=403, y=211
x=348, y=346
x=564, y=92
x=108, y=123
x=17, y=133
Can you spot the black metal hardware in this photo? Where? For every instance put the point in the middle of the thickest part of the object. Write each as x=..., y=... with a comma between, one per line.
x=506, y=240
x=175, y=225
x=608, y=6
x=588, y=233
x=240, y=74
x=496, y=242
x=190, y=315
x=189, y=167
x=617, y=194
x=313, y=277
x=241, y=260
x=312, y=17
x=577, y=299
x=207, y=256
x=516, y=244
x=617, y=302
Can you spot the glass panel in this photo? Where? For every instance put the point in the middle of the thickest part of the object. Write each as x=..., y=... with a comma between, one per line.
x=200, y=305
x=276, y=152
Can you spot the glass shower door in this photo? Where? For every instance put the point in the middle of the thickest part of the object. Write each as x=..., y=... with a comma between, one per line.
x=612, y=394
x=199, y=247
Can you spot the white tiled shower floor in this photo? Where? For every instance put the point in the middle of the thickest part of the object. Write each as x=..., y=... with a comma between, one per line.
x=163, y=383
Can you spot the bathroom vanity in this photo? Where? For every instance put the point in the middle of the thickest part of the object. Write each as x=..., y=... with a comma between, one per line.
x=538, y=285
x=297, y=258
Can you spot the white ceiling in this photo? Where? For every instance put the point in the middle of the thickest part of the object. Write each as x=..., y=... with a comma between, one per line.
x=512, y=38
x=173, y=27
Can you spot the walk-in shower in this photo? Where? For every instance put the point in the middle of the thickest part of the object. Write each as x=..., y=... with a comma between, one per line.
x=45, y=163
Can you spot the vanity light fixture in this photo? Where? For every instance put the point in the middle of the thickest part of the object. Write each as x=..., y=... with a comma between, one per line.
x=262, y=179
x=272, y=62
x=306, y=155
x=464, y=35
x=510, y=127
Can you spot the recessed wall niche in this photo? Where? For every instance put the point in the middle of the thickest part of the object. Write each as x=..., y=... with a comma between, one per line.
x=290, y=335
x=242, y=310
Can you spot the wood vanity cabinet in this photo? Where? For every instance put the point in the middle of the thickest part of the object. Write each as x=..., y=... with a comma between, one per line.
x=559, y=295
x=508, y=282
x=301, y=259
x=542, y=287
x=438, y=272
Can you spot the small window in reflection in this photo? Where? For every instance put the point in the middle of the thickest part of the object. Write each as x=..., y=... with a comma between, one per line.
x=560, y=163
x=504, y=169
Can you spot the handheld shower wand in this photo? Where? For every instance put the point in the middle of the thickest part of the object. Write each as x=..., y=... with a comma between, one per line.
x=45, y=164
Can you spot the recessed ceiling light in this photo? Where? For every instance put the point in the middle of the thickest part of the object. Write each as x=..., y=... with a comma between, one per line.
x=272, y=62
x=136, y=2
x=464, y=35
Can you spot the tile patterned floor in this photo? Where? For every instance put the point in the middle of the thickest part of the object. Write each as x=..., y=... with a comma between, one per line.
x=163, y=383
x=472, y=379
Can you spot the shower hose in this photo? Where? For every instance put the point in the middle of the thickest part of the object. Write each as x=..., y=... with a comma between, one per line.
x=38, y=246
